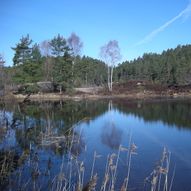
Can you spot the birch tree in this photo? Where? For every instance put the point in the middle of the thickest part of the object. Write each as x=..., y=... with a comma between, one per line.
x=75, y=45
x=2, y=62
x=45, y=49
x=110, y=54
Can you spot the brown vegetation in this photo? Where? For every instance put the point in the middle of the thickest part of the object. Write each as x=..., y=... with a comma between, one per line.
x=129, y=90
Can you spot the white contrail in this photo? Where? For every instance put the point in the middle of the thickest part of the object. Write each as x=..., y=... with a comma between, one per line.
x=185, y=14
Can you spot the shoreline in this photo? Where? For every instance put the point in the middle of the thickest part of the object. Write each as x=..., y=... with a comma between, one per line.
x=131, y=96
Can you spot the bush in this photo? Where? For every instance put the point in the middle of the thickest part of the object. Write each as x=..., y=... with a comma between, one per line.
x=70, y=91
x=32, y=89
x=28, y=89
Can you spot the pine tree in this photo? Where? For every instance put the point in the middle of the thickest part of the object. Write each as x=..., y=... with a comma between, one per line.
x=23, y=51
x=58, y=46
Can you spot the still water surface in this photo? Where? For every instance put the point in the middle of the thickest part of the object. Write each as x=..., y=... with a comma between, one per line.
x=47, y=143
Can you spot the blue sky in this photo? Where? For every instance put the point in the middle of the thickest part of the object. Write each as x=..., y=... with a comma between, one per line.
x=139, y=26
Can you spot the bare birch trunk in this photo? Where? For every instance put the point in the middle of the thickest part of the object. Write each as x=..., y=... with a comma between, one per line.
x=60, y=89
x=111, y=79
x=108, y=77
x=73, y=61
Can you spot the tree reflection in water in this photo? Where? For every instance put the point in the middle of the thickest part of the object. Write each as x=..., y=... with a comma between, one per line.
x=48, y=146
x=111, y=135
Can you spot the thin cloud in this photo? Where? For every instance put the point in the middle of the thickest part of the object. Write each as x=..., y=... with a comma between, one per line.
x=183, y=14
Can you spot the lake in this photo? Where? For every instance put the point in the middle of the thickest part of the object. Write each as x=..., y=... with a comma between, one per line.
x=96, y=145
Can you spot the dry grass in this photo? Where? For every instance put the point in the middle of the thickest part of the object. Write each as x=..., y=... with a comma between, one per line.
x=72, y=172
x=71, y=175
x=159, y=177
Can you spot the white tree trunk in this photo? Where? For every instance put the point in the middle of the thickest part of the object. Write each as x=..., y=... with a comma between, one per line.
x=108, y=77
x=60, y=89
x=111, y=79
x=73, y=61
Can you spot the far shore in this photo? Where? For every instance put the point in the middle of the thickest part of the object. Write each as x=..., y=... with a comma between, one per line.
x=131, y=96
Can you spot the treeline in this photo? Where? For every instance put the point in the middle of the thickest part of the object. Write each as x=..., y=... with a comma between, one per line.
x=172, y=67
x=57, y=61
x=86, y=71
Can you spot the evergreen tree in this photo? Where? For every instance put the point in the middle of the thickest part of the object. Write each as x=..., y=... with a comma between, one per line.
x=23, y=51
x=58, y=46
x=62, y=66
x=62, y=71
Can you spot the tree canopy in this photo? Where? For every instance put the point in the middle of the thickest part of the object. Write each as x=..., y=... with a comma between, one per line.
x=171, y=67
x=58, y=46
x=23, y=51
x=58, y=61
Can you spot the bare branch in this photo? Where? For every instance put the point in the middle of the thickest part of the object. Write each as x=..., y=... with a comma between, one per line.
x=45, y=48
x=75, y=44
x=110, y=54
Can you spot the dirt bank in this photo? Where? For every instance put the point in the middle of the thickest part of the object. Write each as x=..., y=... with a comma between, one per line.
x=130, y=95
x=129, y=90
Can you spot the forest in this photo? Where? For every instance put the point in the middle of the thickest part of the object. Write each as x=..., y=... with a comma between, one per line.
x=172, y=67
x=59, y=63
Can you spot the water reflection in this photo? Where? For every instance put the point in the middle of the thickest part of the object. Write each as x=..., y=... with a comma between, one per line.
x=170, y=112
x=111, y=135
x=44, y=134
